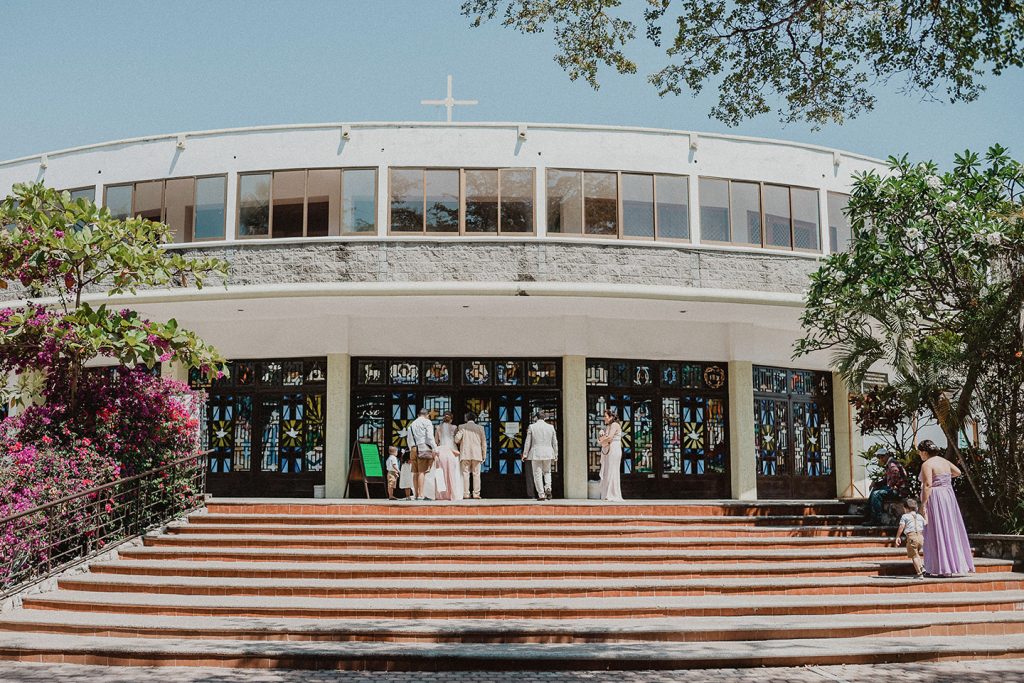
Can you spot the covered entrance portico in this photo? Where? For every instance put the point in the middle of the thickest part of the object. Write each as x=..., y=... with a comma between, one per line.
x=688, y=374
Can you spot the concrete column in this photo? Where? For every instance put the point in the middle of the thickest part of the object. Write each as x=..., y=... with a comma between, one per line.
x=574, y=426
x=742, y=464
x=339, y=433
x=851, y=471
x=175, y=371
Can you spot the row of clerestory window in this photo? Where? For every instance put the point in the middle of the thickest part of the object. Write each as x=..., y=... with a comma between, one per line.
x=481, y=201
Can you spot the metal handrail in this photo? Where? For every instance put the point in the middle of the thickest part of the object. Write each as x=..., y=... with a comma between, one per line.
x=49, y=538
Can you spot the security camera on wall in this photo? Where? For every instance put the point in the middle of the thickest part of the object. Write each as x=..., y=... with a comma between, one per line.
x=522, y=132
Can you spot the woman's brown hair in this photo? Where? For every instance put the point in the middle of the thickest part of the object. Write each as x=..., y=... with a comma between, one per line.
x=929, y=447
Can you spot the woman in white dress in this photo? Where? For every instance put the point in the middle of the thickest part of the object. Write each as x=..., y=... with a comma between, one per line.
x=610, y=439
x=447, y=459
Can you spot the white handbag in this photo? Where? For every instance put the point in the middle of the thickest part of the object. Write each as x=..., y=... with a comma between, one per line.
x=405, y=476
x=437, y=475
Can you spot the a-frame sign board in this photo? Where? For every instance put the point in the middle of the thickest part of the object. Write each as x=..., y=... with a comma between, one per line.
x=365, y=466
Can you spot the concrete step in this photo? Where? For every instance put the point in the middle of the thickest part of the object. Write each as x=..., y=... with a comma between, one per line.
x=524, y=608
x=507, y=571
x=260, y=540
x=516, y=508
x=690, y=629
x=490, y=657
x=573, y=530
x=536, y=587
x=638, y=556
x=400, y=516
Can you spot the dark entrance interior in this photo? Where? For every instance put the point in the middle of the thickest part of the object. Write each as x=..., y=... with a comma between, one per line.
x=793, y=436
x=265, y=425
x=674, y=417
x=505, y=393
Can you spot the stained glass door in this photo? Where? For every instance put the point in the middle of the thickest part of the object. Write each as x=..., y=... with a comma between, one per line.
x=265, y=426
x=674, y=426
x=503, y=393
x=793, y=437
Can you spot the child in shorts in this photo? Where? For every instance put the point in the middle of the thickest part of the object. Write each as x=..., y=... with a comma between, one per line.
x=393, y=469
x=912, y=525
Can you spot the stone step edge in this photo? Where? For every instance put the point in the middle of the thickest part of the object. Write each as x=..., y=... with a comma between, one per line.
x=636, y=554
x=494, y=540
x=148, y=626
x=433, y=656
x=385, y=569
x=546, y=520
x=401, y=605
x=857, y=530
x=572, y=583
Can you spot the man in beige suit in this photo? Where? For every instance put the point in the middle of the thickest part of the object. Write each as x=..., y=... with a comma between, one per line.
x=541, y=449
x=472, y=441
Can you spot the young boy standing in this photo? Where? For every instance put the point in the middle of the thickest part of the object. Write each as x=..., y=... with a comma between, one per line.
x=393, y=470
x=912, y=524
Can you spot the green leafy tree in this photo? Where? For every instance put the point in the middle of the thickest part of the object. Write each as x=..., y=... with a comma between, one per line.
x=932, y=286
x=817, y=60
x=61, y=249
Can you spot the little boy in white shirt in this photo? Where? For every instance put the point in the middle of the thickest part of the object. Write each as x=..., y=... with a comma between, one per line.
x=393, y=470
x=912, y=524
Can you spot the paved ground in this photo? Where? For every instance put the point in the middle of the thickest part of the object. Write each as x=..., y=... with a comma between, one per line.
x=997, y=671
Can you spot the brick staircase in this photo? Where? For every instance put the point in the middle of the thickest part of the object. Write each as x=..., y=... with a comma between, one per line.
x=505, y=585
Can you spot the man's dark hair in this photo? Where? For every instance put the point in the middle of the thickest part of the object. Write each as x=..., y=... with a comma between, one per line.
x=469, y=417
x=424, y=411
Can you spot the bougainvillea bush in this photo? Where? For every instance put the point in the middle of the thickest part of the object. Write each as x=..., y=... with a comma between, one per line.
x=81, y=426
x=45, y=470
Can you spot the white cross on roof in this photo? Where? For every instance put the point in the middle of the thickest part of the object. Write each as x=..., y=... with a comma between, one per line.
x=448, y=102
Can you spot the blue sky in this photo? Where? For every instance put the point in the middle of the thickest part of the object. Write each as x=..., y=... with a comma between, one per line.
x=83, y=72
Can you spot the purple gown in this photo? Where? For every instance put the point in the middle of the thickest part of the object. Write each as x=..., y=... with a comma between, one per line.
x=947, y=549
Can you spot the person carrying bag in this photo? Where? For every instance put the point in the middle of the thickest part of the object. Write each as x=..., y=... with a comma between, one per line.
x=421, y=450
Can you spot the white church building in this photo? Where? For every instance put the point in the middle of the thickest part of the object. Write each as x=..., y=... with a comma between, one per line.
x=499, y=268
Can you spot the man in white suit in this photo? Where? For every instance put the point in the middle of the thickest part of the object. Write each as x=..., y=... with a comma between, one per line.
x=472, y=441
x=541, y=449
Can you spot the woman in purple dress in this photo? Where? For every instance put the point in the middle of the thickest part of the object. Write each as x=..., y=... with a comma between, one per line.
x=947, y=551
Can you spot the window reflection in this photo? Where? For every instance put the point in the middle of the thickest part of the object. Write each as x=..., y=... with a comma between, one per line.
x=83, y=193
x=323, y=202
x=714, y=210
x=287, y=211
x=637, y=205
x=210, y=212
x=839, y=231
x=673, y=194
x=516, y=200
x=565, y=205
x=359, y=204
x=407, y=200
x=746, y=213
x=442, y=194
x=254, y=205
x=805, y=218
x=118, y=200
x=149, y=199
x=179, y=203
x=778, y=231
x=482, y=201
x=600, y=199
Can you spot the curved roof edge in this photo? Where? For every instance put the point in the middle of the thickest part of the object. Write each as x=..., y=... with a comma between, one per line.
x=440, y=124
